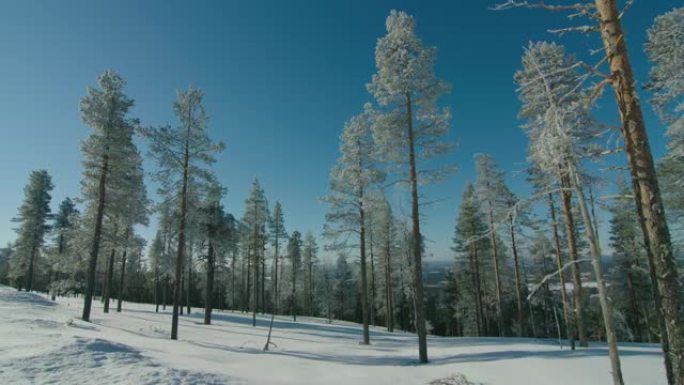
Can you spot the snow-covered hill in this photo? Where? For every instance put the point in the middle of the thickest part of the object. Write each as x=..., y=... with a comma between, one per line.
x=43, y=342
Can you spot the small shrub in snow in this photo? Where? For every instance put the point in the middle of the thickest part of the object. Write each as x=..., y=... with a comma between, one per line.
x=456, y=379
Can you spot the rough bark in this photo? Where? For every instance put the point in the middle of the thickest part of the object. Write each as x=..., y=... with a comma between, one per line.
x=108, y=281
x=181, y=238
x=364, y=278
x=518, y=290
x=97, y=232
x=569, y=331
x=577, y=292
x=417, y=242
x=497, y=270
x=389, y=305
x=647, y=192
x=606, y=307
x=122, y=278
x=209, y=288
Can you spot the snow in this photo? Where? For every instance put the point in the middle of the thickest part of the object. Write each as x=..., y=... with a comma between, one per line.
x=42, y=342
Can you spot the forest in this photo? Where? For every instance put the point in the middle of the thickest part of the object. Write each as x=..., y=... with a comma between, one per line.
x=523, y=265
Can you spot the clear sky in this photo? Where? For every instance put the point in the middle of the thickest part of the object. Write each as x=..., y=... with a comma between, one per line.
x=280, y=79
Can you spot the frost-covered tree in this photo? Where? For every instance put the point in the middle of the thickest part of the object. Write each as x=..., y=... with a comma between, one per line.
x=517, y=217
x=254, y=218
x=180, y=152
x=155, y=257
x=310, y=259
x=294, y=252
x=559, y=125
x=470, y=244
x=605, y=17
x=60, y=258
x=412, y=127
x=32, y=216
x=105, y=109
x=214, y=221
x=630, y=283
x=561, y=72
x=665, y=49
x=543, y=183
x=351, y=180
x=278, y=234
x=386, y=237
x=490, y=187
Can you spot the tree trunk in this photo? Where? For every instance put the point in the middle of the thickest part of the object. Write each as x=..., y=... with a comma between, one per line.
x=95, y=247
x=121, y=282
x=29, y=272
x=181, y=238
x=417, y=242
x=232, y=282
x=123, y=272
x=276, y=296
x=647, y=192
x=372, y=275
x=156, y=289
x=606, y=307
x=108, y=280
x=475, y=267
x=566, y=200
x=569, y=330
x=293, y=302
x=497, y=272
x=364, y=278
x=255, y=292
x=189, y=279
x=389, y=308
x=209, y=289
x=166, y=289
x=518, y=291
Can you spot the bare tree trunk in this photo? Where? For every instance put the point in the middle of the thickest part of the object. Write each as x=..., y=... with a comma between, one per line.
x=293, y=298
x=255, y=292
x=389, y=306
x=108, y=280
x=647, y=192
x=189, y=280
x=518, y=291
x=606, y=307
x=263, y=278
x=209, y=289
x=232, y=282
x=276, y=297
x=569, y=330
x=121, y=282
x=364, y=278
x=566, y=200
x=29, y=272
x=123, y=272
x=474, y=265
x=166, y=289
x=95, y=247
x=181, y=238
x=372, y=275
x=497, y=271
x=156, y=289
x=417, y=242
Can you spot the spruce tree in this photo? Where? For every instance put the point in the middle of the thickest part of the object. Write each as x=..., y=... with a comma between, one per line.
x=180, y=152
x=411, y=128
x=32, y=216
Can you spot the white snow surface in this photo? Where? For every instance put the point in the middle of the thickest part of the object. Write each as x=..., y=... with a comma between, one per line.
x=44, y=342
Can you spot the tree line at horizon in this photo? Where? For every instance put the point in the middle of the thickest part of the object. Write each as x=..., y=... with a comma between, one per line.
x=516, y=272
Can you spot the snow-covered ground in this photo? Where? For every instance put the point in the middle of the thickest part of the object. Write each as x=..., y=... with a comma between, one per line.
x=42, y=342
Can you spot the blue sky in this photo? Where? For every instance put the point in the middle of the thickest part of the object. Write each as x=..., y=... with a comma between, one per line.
x=280, y=79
